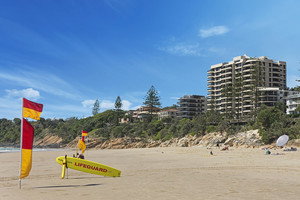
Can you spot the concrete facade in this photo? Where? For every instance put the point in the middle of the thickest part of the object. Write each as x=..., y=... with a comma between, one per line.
x=244, y=84
x=173, y=113
x=192, y=105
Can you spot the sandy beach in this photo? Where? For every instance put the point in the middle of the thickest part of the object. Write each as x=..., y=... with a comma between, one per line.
x=159, y=173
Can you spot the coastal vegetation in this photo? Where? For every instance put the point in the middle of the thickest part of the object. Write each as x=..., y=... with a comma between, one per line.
x=271, y=122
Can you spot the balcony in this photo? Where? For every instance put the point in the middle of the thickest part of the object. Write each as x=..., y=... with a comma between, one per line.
x=187, y=110
x=188, y=105
x=247, y=100
x=227, y=72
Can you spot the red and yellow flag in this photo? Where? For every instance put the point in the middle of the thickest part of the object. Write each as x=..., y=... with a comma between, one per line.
x=81, y=146
x=28, y=133
x=31, y=109
x=84, y=133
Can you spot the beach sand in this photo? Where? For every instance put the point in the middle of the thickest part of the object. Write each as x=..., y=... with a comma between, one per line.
x=158, y=173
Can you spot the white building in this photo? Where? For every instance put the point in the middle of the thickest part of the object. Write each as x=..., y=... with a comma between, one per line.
x=168, y=113
x=245, y=83
x=292, y=101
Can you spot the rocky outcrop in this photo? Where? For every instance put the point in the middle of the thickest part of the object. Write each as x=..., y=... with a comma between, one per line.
x=295, y=142
x=49, y=141
x=248, y=139
x=245, y=139
x=126, y=142
x=213, y=139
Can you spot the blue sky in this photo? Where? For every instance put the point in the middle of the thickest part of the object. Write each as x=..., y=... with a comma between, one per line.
x=66, y=54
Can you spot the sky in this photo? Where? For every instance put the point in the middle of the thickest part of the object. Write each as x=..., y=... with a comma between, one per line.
x=66, y=54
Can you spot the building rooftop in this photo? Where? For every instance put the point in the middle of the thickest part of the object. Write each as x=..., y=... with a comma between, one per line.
x=240, y=58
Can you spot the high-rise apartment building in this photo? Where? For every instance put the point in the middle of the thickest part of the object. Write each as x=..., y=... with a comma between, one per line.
x=191, y=105
x=242, y=85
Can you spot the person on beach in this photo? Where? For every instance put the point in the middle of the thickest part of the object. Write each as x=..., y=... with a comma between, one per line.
x=81, y=156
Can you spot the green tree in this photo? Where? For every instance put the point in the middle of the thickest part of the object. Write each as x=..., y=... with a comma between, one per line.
x=257, y=82
x=118, y=106
x=272, y=122
x=152, y=99
x=237, y=94
x=185, y=126
x=297, y=110
x=174, y=106
x=96, y=107
x=118, y=103
x=199, y=124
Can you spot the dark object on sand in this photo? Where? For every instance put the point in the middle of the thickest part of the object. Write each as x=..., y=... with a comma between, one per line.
x=225, y=148
x=291, y=149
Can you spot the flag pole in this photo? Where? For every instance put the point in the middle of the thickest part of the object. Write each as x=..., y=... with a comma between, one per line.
x=77, y=147
x=21, y=143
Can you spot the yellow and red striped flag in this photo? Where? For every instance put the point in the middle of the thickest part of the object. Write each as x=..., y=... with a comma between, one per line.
x=26, y=162
x=84, y=133
x=81, y=146
x=31, y=109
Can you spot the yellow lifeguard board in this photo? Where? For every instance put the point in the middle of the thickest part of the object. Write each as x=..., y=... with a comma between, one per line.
x=89, y=166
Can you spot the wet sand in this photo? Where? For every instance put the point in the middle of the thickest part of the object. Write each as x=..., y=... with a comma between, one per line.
x=158, y=173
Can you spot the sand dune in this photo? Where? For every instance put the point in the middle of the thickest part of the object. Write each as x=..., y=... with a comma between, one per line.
x=159, y=173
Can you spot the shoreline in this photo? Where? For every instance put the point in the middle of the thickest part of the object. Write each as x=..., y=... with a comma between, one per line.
x=14, y=149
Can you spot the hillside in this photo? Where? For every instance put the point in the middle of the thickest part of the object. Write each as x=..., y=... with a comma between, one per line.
x=208, y=129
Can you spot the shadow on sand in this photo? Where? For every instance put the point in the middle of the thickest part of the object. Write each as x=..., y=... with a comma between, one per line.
x=66, y=186
x=90, y=177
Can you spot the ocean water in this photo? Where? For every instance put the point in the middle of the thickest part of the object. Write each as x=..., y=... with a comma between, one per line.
x=12, y=149
x=8, y=149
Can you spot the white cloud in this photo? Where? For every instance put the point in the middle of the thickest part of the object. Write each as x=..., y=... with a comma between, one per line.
x=135, y=108
x=126, y=105
x=216, y=30
x=42, y=81
x=183, y=49
x=27, y=93
x=106, y=104
x=88, y=103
